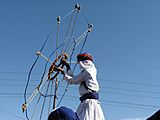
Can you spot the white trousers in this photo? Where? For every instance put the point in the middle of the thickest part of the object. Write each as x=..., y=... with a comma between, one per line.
x=90, y=109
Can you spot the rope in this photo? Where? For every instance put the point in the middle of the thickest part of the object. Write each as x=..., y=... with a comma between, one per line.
x=60, y=45
x=70, y=45
x=74, y=24
x=68, y=14
x=44, y=102
x=85, y=18
x=74, y=44
x=49, y=106
x=57, y=36
x=84, y=42
x=69, y=25
x=73, y=69
x=57, y=47
x=35, y=107
x=57, y=40
x=63, y=94
x=30, y=71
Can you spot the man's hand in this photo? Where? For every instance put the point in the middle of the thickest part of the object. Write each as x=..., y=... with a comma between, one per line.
x=66, y=64
x=59, y=69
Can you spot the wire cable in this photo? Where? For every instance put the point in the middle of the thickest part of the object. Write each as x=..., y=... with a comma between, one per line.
x=11, y=114
x=73, y=21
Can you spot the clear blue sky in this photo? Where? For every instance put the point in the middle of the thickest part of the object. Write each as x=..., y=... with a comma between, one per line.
x=125, y=43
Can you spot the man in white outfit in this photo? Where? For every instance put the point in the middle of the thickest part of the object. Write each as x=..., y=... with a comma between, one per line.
x=89, y=108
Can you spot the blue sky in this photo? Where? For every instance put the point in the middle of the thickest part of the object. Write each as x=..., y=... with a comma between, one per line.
x=124, y=42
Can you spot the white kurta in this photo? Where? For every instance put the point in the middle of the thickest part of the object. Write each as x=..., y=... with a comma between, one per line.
x=89, y=109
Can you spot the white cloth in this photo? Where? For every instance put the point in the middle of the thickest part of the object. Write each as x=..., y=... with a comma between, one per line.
x=89, y=109
x=88, y=74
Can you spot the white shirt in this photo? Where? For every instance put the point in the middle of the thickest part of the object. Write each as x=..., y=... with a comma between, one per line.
x=88, y=74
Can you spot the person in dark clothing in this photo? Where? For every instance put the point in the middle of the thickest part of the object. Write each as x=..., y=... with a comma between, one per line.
x=63, y=113
x=155, y=116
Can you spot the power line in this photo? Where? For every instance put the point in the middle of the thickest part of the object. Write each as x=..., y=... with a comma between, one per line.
x=75, y=97
x=116, y=103
x=126, y=105
x=11, y=114
x=133, y=83
x=112, y=103
x=132, y=104
x=134, y=90
x=9, y=79
x=133, y=95
x=108, y=92
x=9, y=72
x=114, y=81
x=106, y=80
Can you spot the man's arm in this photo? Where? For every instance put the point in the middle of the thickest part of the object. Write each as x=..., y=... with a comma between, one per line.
x=77, y=79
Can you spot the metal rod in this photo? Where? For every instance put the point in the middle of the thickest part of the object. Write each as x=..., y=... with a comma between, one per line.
x=55, y=94
x=29, y=100
x=40, y=54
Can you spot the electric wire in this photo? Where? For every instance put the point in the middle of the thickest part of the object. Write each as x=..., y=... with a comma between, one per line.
x=124, y=88
x=44, y=101
x=30, y=71
x=72, y=31
x=104, y=80
x=72, y=51
x=115, y=103
x=73, y=71
x=73, y=22
x=134, y=83
x=11, y=114
x=68, y=28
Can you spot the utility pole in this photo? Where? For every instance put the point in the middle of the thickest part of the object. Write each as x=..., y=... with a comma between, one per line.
x=55, y=94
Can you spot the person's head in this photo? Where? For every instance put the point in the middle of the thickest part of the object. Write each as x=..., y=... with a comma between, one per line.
x=63, y=113
x=84, y=56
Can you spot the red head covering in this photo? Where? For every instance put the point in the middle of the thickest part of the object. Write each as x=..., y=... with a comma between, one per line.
x=84, y=56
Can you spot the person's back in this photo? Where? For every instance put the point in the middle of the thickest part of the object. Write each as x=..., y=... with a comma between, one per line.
x=155, y=116
x=63, y=113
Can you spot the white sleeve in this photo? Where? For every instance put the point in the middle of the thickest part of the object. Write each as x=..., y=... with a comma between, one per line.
x=70, y=73
x=77, y=79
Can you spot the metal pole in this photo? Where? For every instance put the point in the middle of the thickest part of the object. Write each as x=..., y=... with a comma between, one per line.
x=55, y=94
